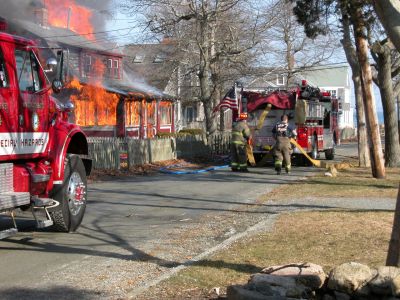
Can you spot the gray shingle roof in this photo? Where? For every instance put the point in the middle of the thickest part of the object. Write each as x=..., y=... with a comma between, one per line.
x=154, y=62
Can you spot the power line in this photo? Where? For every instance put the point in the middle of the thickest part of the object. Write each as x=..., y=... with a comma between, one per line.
x=89, y=33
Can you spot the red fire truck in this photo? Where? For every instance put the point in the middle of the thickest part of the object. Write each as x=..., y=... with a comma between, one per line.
x=43, y=158
x=312, y=112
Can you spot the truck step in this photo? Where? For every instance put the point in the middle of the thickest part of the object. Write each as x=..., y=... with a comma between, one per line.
x=44, y=223
x=14, y=199
x=41, y=202
x=8, y=233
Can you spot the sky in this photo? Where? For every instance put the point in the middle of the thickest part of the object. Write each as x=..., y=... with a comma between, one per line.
x=134, y=33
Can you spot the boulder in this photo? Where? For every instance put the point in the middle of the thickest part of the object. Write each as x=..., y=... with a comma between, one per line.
x=381, y=284
x=275, y=285
x=238, y=292
x=396, y=286
x=308, y=274
x=351, y=278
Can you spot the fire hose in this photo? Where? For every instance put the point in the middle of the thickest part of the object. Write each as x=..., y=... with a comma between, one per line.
x=181, y=172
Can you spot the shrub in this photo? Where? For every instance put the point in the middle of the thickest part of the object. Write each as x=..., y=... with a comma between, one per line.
x=192, y=131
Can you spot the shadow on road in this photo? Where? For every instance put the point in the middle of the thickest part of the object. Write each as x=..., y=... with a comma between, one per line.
x=59, y=293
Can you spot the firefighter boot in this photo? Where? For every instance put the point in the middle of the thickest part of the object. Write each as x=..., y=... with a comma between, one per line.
x=278, y=167
x=287, y=169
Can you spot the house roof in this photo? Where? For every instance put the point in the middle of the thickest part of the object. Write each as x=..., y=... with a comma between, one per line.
x=137, y=92
x=321, y=76
x=59, y=35
x=327, y=76
x=153, y=62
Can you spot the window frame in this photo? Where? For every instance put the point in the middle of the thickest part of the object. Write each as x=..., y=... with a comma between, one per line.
x=30, y=69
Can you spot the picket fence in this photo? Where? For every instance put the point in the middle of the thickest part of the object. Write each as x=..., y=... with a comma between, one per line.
x=116, y=153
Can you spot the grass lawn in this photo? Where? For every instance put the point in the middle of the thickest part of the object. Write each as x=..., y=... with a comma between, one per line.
x=327, y=238
x=354, y=182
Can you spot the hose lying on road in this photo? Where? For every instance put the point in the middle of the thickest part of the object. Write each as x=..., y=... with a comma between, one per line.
x=167, y=171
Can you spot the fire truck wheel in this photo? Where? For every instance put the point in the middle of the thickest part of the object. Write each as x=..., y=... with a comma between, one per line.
x=72, y=196
x=314, y=149
x=330, y=154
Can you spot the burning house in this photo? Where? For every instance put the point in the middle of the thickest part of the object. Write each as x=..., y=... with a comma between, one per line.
x=106, y=102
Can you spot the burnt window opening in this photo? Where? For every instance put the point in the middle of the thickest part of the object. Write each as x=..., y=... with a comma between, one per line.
x=166, y=113
x=132, y=115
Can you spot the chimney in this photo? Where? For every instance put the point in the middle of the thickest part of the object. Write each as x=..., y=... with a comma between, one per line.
x=41, y=16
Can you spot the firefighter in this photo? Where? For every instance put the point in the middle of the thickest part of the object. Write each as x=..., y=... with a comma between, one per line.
x=240, y=136
x=282, y=132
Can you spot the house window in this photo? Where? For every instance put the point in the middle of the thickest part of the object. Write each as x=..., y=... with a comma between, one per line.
x=280, y=80
x=333, y=93
x=151, y=113
x=166, y=113
x=109, y=68
x=191, y=113
x=132, y=117
x=139, y=58
x=113, y=68
x=116, y=69
x=84, y=112
x=87, y=65
x=159, y=58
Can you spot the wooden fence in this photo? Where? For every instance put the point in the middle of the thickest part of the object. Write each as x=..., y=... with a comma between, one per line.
x=115, y=153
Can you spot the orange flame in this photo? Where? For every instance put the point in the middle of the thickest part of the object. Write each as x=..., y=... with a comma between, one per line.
x=68, y=14
x=93, y=104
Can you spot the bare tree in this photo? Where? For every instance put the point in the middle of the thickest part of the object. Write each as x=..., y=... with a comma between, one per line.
x=313, y=15
x=351, y=55
x=388, y=12
x=360, y=25
x=290, y=49
x=213, y=35
x=382, y=53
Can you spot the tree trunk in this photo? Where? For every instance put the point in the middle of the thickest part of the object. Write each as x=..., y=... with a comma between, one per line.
x=351, y=55
x=388, y=12
x=204, y=76
x=394, y=244
x=363, y=150
x=392, y=145
x=377, y=164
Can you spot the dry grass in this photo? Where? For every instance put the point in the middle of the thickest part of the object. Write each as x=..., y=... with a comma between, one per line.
x=325, y=238
x=354, y=182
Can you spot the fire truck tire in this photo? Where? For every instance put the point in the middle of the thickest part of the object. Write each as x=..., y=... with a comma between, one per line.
x=330, y=154
x=72, y=196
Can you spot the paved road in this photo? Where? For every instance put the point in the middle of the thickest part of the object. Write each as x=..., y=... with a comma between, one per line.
x=126, y=224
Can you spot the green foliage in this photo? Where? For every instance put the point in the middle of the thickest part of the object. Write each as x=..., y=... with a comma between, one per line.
x=313, y=15
x=192, y=131
x=165, y=134
x=183, y=132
